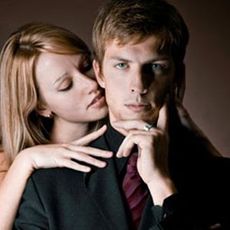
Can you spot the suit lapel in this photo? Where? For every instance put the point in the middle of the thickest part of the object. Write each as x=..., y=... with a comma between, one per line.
x=103, y=187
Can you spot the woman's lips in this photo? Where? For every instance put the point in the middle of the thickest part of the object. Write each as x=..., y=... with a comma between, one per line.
x=97, y=102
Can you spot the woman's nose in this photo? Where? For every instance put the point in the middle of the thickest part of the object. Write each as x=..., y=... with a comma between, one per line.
x=91, y=83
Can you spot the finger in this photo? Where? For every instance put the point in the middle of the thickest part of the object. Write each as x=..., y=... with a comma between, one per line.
x=125, y=147
x=142, y=142
x=90, y=137
x=82, y=157
x=90, y=151
x=162, y=122
x=152, y=132
x=131, y=125
x=76, y=166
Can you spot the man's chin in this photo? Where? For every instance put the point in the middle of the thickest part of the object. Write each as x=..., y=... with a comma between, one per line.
x=148, y=117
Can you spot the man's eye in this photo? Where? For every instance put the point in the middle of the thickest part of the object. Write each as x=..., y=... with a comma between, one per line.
x=159, y=68
x=121, y=66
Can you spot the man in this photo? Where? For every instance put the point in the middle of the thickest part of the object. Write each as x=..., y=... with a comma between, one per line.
x=139, y=50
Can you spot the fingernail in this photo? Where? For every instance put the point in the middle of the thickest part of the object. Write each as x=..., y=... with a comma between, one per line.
x=102, y=164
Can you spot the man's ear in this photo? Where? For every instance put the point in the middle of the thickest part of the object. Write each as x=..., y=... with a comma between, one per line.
x=98, y=73
x=43, y=110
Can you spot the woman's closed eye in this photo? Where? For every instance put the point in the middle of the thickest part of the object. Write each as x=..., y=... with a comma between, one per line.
x=65, y=85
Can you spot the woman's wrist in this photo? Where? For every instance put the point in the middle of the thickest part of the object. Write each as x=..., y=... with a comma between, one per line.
x=25, y=162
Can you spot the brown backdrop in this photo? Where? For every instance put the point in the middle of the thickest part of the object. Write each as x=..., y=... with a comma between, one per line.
x=208, y=58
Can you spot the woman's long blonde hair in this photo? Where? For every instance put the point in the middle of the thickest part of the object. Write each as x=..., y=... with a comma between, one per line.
x=21, y=125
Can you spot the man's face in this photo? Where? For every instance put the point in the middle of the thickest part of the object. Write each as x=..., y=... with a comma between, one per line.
x=136, y=79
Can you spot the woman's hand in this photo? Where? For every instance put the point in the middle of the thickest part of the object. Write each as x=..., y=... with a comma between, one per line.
x=45, y=156
x=62, y=155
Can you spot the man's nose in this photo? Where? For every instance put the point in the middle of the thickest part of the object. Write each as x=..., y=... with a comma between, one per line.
x=137, y=84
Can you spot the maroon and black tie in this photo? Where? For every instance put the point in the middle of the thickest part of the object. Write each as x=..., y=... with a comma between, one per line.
x=135, y=190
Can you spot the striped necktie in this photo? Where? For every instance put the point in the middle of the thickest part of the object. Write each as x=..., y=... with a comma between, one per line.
x=135, y=190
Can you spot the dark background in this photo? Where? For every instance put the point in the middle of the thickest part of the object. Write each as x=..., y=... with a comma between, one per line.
x=208, y=57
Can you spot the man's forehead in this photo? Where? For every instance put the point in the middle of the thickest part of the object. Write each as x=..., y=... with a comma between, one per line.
x=150, y=44
x=131, y=40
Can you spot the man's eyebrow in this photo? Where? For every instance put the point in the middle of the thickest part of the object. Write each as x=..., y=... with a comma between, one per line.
x=153, y=59
x=117, y=58
x=161, y=58
x=60, y=78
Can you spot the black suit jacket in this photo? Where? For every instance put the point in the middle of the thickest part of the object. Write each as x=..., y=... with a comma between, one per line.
x=63, y=199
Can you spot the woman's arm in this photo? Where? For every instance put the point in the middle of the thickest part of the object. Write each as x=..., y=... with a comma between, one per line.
x=44, y=156
x=4, y=165
x=11, y=189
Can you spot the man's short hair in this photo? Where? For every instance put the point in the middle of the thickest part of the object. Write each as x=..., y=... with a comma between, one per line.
x=134, y=20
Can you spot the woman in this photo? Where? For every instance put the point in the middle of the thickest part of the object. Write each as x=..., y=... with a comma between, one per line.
x=48, y=96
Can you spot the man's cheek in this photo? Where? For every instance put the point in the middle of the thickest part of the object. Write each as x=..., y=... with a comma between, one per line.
x=159, y=98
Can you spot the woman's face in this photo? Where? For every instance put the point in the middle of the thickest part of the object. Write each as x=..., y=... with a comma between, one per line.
x=68, y=88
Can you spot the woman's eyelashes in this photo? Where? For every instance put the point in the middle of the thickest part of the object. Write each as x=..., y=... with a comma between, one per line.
x=65, y=85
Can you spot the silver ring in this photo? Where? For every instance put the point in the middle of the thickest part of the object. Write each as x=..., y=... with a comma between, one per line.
x=148, y=127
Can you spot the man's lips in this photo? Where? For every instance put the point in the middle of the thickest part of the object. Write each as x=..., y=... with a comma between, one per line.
x=137, y=107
